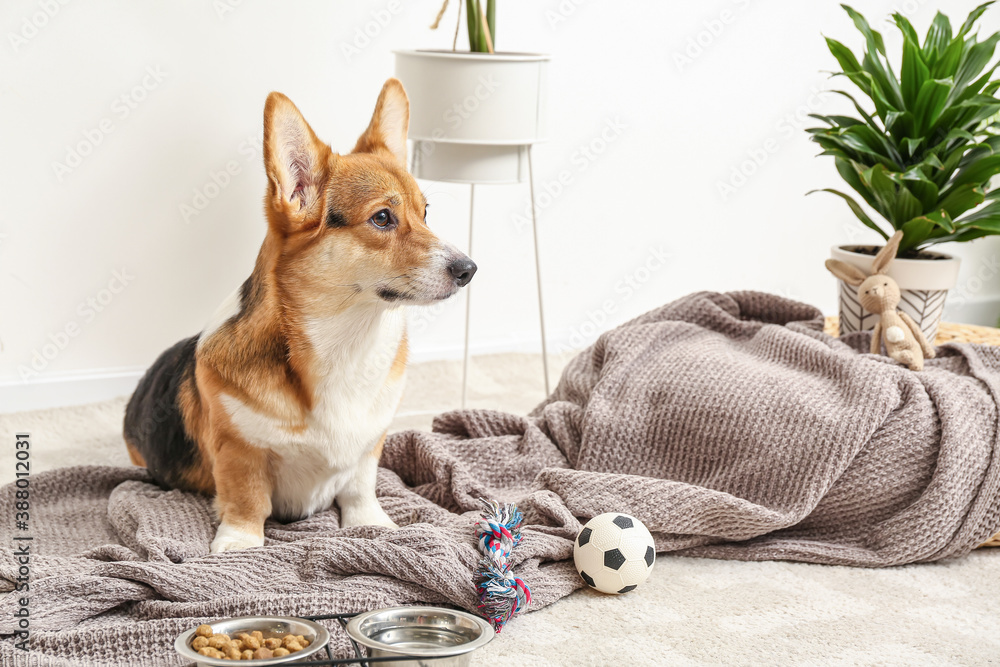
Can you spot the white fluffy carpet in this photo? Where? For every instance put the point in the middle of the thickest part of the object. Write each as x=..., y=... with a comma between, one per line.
x=691, y=611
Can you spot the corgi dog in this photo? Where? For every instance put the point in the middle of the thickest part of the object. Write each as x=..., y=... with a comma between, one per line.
x=280, y=406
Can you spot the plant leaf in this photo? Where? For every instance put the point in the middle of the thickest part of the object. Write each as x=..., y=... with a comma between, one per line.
x=974, y=60
x=905, y=27
x=472, y=16
x=911, y=146
x=973, y=17
x=947, y=62
x=916, y=231
x=931, y=102
x=906, y=206
x=883, y=80
x=946, y=169
x=926, y=155
x=922, y=188
x=978, y=150
x=989, y=211
x=977, y=173
x=965, y=230
x=875, y=141
x=981, y=86
x=938, y=37
x=837, y=121
x=914, y=72
x=901, y=124
x=872, y=36
x=959, y=200
x=845, y=57
x=880, y=71
x=852, y=146
x=491, y=21
x=858, y=211
x=925, y=229
x=851, y=174
x=884, y=191
x=864, y=114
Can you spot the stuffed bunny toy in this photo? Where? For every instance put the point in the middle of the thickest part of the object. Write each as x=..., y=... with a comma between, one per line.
x=878, y=293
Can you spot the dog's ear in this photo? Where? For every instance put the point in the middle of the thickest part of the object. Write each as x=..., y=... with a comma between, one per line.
x=887, y=254
x=295, y=160
x=851, y=275
x=387, y=130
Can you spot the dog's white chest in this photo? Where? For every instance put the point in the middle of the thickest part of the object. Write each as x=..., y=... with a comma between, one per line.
x=895, y=334
x=354, y=404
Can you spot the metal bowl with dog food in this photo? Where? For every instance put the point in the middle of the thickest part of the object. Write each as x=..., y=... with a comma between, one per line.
x=269, y=626
x=420, y=636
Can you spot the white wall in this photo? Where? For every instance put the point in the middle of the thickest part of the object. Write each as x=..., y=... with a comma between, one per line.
x=667, y=120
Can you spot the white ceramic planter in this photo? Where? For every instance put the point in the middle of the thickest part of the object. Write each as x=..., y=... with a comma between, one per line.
x=473, y=114
x=923, y=285
x=469, y=163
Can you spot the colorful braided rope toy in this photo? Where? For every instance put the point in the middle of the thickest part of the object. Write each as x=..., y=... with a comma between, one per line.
x=501, y=594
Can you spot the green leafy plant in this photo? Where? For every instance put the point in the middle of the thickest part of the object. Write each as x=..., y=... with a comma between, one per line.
x=923, y=159
x=482, y=24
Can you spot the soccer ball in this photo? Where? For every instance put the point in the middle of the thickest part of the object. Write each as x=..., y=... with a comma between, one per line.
x=614, y=553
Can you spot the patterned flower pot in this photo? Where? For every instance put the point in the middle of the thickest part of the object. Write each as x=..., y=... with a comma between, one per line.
x=923, y=284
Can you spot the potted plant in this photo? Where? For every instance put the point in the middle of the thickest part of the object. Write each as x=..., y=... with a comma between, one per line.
x=473, y=113
x=921, y=156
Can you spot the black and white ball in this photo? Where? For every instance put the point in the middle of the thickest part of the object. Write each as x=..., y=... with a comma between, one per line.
x=614, y=553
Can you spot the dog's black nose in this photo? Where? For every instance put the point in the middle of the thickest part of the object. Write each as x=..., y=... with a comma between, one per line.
x=462, y=270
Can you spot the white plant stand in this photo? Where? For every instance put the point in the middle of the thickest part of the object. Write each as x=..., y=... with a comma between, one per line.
x=474, y=118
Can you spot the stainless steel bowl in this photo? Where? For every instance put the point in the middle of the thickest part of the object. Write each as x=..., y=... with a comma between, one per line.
x=420, y=632
x=270, y=626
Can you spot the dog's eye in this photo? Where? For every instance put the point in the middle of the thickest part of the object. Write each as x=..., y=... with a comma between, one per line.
x=381, y=219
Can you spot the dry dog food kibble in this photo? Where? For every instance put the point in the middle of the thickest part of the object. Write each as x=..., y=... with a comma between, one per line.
x=246, y=645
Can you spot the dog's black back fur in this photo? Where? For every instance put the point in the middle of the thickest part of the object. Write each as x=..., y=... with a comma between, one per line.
x=153, y=422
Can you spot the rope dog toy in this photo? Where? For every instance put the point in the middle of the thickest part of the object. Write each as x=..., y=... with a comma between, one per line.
x=501, y=594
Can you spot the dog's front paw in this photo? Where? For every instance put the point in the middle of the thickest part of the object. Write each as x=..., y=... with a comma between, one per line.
x=228, y=538
x=365, y=515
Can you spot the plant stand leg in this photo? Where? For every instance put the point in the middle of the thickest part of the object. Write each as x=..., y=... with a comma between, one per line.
x=468, y=302
x=538, y=271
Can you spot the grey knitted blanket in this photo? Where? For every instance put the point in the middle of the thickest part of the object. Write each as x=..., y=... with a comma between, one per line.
x=728, y=423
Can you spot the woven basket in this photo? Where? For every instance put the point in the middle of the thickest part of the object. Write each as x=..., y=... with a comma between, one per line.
x=947, y=333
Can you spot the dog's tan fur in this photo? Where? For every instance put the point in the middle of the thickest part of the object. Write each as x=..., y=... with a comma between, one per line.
x=320, y=299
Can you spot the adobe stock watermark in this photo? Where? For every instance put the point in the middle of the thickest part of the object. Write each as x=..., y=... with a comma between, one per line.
x=985, y=274
x=32, y=24
x=455, y=115
x=121, y=108
x=597, y=320
x=908, y=7
x=86, y=311
x=712, y=29
x=789, y=125
x=224, y=8
x=365, y=34
x=548, y=190
x=562, y=13
x=220, y=179
x=786, y=292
